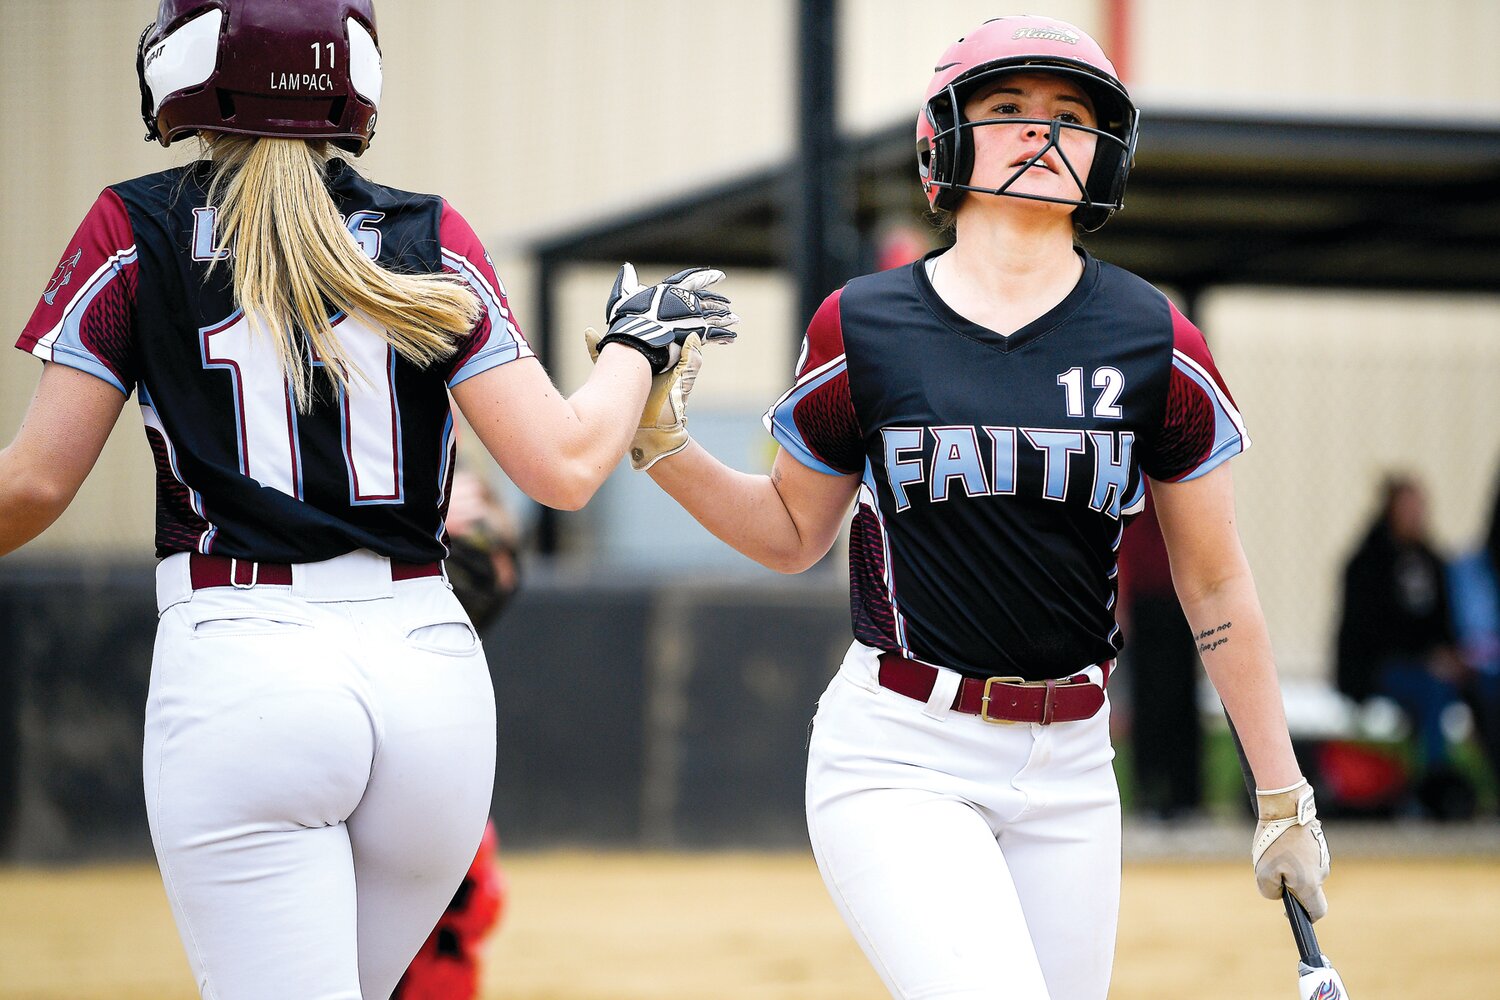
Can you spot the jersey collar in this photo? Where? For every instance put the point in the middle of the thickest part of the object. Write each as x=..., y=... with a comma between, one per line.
x=1036, y=329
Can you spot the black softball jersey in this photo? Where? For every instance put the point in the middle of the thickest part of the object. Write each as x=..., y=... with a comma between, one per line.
x=239, y=471
x=998, y=472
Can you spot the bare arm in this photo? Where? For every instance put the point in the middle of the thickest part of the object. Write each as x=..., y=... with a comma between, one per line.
x=59, y=441
x=786, y=521
x=558, y=450
x=1213, y=582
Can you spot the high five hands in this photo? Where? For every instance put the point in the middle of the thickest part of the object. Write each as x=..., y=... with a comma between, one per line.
x=668, y=323
x=656, y=319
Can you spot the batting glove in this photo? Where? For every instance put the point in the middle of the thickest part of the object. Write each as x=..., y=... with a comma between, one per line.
x=656, y=319
x=1289, y=851
x=662, y=430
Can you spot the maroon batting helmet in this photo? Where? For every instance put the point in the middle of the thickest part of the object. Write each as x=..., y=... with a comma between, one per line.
x=303, y=69
x=945, y=154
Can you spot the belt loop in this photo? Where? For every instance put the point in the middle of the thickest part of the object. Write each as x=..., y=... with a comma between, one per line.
x=234, y=574
x=1049, y=702
x=174, y=581
x=944, y=694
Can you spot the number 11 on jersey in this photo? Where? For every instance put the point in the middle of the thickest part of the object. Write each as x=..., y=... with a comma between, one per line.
x=268, y=426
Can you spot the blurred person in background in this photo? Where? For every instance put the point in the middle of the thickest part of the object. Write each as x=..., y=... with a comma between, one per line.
x=992, y=412
x=1161, y=666
x=320, y=730
x=1397, y=639
x=1474, y=583
x=484, y=564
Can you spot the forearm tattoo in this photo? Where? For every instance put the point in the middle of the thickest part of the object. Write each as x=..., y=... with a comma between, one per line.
x=1211, y=639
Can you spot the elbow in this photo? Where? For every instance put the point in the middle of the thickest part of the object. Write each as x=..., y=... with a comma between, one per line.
x=571, y=487
x=41, y=497
x=792, y=562
x=27, y=506
x=1196, y=590
x=566, y=498
x=32, y=492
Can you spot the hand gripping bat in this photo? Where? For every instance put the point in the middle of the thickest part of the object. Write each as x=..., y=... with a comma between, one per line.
x=1317, y=979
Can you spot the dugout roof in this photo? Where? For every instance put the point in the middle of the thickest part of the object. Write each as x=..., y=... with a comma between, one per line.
x=1214, y=199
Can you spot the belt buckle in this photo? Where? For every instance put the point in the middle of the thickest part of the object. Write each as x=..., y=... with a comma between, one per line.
x=984, y=702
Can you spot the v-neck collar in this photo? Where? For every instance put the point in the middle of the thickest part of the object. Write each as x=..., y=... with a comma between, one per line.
x=1037, y=328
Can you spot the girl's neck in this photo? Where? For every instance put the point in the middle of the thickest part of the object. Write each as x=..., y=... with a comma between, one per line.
x=1004, y=272
x=1001, y=253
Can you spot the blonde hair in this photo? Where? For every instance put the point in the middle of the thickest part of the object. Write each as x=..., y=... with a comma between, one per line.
x=293, y=259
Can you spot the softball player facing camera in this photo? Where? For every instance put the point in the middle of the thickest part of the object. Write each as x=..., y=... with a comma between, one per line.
x=992, y=412
x=319, y=749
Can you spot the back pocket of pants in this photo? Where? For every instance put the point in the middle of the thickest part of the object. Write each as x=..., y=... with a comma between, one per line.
x=447, y=638
x=244, y=626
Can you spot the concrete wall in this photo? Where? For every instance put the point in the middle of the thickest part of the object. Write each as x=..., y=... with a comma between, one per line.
x=641, y=712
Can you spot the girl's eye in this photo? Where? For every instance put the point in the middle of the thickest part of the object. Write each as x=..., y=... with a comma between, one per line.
x=1070, y=117
x=1005, y=108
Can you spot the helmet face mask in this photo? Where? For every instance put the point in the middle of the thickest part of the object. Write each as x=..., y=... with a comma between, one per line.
x=945, y=146
x=308, y=69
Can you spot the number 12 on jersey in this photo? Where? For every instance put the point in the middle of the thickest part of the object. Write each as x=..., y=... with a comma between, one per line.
x=1110, y=380
x=268, y=425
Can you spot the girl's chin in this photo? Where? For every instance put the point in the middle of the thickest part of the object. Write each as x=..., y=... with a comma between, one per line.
x=1010, y=200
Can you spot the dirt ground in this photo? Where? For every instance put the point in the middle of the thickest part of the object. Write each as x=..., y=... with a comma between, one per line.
x=743, y=926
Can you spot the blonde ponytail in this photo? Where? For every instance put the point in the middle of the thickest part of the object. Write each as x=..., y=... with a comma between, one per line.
x=293, y=260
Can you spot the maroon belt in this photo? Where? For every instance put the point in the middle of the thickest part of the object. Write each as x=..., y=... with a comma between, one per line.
x=999, y=699
x=226, y=571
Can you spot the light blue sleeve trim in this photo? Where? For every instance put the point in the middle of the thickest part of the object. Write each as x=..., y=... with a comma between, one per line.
x=1228, y=441
x=782, y=425
x=79, y=358
x=491, y=357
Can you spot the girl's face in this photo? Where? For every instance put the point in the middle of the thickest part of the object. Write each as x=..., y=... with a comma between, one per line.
x=1002, y=149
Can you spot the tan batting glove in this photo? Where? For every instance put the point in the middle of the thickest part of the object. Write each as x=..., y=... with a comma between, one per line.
x=663, y=427
x=1289, y=849
x=662, y=430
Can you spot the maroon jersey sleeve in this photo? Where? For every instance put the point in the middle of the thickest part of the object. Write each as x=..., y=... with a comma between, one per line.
x=1201, y=428
x=86, y=316
x=496, y=339
x=815, y=419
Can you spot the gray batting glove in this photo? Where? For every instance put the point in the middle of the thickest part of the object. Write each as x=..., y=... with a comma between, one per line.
x=656, y=319
x=1289, y=851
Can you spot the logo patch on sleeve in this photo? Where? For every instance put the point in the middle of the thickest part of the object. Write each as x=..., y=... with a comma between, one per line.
x=62, y=275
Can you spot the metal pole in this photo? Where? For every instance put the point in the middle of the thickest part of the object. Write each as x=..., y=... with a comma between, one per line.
x=547, y=524
x=820, y=252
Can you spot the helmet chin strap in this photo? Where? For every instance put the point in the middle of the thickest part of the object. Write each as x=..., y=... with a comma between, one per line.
x=1054, y=133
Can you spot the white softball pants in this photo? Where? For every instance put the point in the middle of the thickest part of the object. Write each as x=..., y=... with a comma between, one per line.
x=319, y=760
x=971, y=860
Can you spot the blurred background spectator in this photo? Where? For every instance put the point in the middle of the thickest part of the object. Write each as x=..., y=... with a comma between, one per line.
x=1161, y=667
x=1397, y=639
x=483, y=563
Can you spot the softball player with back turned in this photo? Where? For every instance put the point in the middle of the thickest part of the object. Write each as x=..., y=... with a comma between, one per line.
x=992, y=412
x=320, y=729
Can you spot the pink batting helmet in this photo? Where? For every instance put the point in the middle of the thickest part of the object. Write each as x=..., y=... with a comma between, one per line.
x=945, y=155
x=302, y=69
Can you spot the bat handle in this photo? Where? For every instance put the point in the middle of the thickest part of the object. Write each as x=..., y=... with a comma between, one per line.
x=1302, y=932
